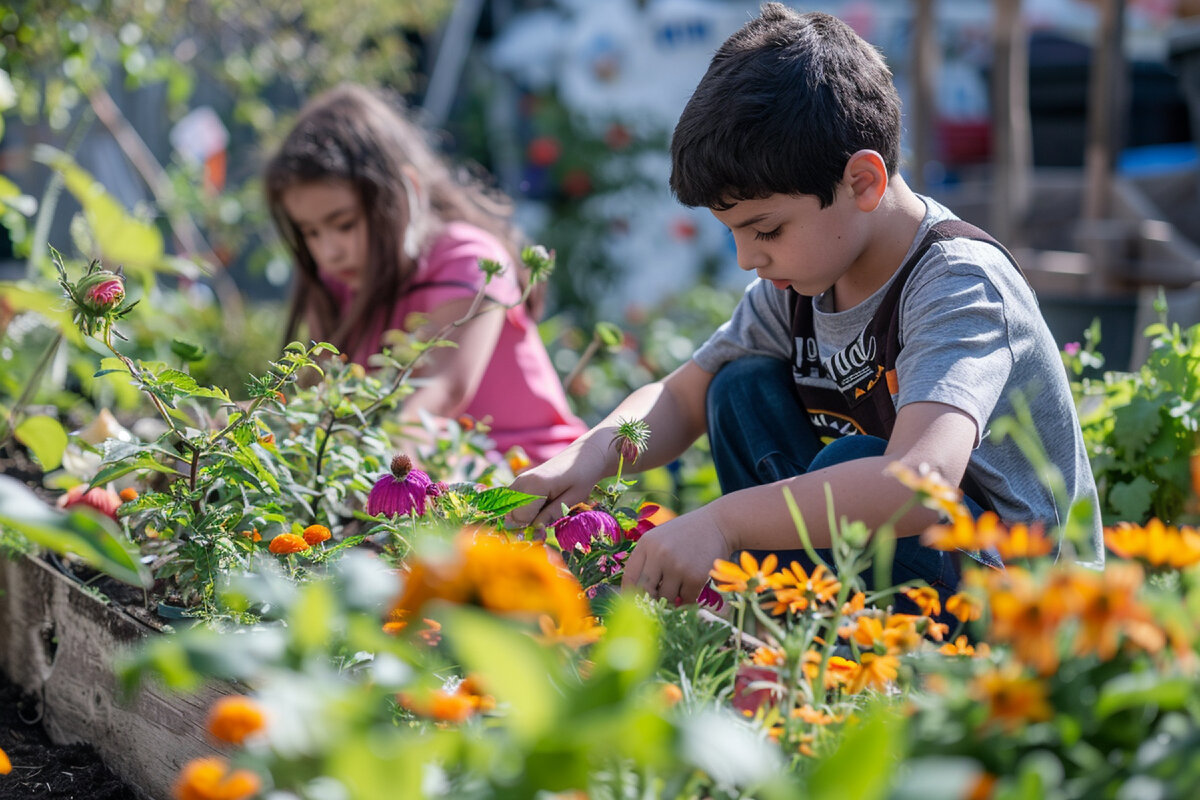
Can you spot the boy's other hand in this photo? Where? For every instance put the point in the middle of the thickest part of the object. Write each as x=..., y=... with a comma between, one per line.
x=566, y=479
x=674, y=559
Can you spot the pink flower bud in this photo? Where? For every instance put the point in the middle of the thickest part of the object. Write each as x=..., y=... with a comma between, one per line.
x=402, y=492
x=101, y=291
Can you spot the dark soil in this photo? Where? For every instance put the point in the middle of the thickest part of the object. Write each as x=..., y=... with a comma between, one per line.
x=45, y=771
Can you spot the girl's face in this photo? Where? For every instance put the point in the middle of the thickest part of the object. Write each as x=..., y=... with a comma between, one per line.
x=331, y=219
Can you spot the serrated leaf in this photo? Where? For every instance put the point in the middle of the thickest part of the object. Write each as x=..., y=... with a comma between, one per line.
x=499, y=501
x=1136, y=425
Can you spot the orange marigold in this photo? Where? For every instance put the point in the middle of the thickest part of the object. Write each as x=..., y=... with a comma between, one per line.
x=253, y=535
x=286, y=543
x=315, y=534
x=234, y=718
x=211, y=779
x=128, y=494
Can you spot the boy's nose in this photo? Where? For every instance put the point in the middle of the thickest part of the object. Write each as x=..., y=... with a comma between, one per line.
x=749, y=259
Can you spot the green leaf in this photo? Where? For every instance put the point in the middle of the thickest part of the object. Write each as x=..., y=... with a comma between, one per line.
x=188, y=351
x=499, y=501
x=609, y=335
x=1137, y=689
x=92, y=538
x=1131, y=500
x=1136, y=425
x=45, y=438
x=139, y=463
x=123, y=240
x=514, y=667
x=863, y=765
x=12, y=197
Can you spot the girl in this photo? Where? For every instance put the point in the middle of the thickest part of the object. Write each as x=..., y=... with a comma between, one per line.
x=380, y=228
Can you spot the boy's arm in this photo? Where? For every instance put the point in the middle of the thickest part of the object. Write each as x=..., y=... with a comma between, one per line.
x=674, y=409
x=673, y=559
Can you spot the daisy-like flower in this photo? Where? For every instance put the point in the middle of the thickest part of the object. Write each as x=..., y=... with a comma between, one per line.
x=583, y=523
x=745, y=575
x=926, y=598
x=1023, y=541
x=931, y=488
x=211, y=779
x=401, y=492
x=964, y=533
x=814, y=717
x=287, y=543
x=795, y=589
x=252, y=534
x=233, y=719
x=1013, y=700
x=1156, y=544
x=315, y=534
x=965, y=607
x=961, y=647
x=876, y=671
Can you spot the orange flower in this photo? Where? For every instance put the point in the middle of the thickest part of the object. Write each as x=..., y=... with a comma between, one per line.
x=1028, y=616
x=518, y=460
x=211, y=779
x=432, y=633
x=900, y=633
x=1023, y=541
x=768, y=657
x=457, y=705
x=926, y=598
x=315, y=534
x=983, y=787
x=874, y=670
x=865, y=631
x=1109, y=608
x=840, y=672
x=855, y=604
x=128, y=494
x=286, y=543
x=253, y=535
x=932, y=489
x=671, y=694
x=964, y=533
x=961, y=647
x=964, y=606
x=234, y=718
x=5, y=764
x=1012, y=700
x=731, y=577
x=795, y=589
x=267, y=439
x=814, y=717
x=1155, y=543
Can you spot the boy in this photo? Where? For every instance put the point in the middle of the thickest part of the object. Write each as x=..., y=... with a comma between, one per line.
x=880, y=328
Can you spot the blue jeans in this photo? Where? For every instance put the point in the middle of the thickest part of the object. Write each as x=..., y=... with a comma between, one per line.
x=759, y=433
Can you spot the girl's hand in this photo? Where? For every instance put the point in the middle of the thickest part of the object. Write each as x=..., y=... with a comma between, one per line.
x=566, y=479
x=674, y=559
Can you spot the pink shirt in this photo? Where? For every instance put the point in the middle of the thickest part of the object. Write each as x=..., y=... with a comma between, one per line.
x=520, y=391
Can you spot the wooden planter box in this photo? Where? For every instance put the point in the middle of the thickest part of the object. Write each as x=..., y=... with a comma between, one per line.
x=58, y=642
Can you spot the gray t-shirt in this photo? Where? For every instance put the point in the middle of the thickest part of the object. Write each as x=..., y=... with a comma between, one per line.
x=972, y=337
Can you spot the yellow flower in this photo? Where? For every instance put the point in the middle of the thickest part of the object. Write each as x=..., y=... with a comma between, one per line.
x=865, y=631
x=965, y=607
x=211, y=779
x=932, y=489
x=1012, y=700
x=315, y=534
x=900, y=633
x=1155, y=543
x=234, y=718
x=926, y=598
x=814, y=717
x=874, y=671
x=768, y=657
x=731, y=577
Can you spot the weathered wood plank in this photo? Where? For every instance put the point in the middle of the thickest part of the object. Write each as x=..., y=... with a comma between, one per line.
x=59, y=642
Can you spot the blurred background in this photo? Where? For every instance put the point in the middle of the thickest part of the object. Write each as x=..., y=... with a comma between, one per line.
x=1066, y=127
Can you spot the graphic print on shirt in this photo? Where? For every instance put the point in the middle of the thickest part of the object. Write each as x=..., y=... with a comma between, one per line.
x=856, y=368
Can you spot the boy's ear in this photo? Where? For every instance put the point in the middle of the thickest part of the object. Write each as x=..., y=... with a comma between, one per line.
x=867, y=177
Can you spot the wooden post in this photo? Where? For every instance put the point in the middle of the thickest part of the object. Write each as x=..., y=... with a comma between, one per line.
x=1012, y=146
x=1106, y=98
x=926, y=58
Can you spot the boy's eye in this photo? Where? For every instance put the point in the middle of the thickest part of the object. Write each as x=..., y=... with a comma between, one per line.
x=766, y=236
x=346, y=227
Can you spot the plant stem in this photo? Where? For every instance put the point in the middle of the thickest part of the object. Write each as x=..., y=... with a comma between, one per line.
x=584, y=358
x=14, y=414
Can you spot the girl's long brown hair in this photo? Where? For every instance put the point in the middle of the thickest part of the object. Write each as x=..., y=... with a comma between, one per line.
x=351, y=133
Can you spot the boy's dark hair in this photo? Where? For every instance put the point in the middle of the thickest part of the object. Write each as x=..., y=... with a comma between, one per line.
x=784, y=104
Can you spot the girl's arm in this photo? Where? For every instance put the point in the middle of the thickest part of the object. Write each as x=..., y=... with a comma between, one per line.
x=451, y=375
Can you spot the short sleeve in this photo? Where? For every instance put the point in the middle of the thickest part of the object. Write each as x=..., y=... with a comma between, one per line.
x=955, y=334
x=450, y=269
x=759, y=326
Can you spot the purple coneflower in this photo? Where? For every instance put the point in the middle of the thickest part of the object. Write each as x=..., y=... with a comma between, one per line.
x=401, y=492
x=582, y=524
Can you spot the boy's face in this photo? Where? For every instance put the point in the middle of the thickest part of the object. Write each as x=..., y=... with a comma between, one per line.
x=330, y=217
x=789, y=240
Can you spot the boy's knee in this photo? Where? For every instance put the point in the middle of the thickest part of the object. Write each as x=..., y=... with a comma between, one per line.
x=748, y=377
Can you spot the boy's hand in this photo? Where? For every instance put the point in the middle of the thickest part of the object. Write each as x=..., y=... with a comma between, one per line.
x=568, y=478
x=674, y=559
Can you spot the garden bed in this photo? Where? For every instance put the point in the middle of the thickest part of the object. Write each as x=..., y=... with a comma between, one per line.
x=57, y=642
